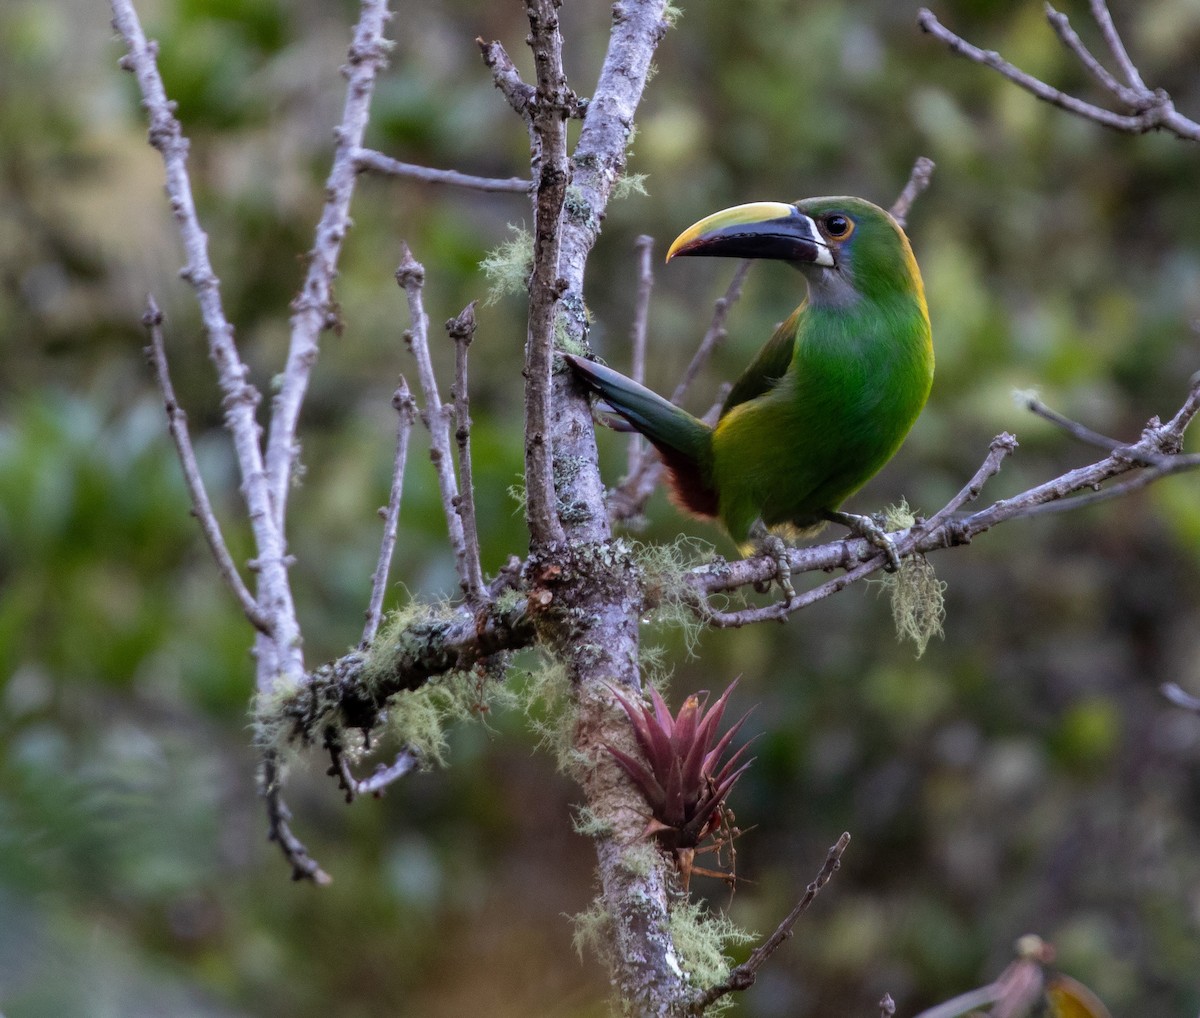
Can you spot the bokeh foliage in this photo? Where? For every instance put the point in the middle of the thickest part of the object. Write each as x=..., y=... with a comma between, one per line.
x=1024, y=775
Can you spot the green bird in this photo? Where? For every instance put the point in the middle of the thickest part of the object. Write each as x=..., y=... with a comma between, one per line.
x=826, y=402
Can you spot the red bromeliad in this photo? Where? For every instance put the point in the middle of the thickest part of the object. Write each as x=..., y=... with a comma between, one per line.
x=680, y=772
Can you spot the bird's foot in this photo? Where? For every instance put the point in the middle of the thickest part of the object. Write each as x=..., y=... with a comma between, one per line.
x=869, y=530
x=775, y=548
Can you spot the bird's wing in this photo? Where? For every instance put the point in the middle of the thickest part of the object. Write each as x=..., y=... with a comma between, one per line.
x=768, y=366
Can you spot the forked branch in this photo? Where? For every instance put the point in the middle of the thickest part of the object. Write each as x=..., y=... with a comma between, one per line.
x=1147, y=109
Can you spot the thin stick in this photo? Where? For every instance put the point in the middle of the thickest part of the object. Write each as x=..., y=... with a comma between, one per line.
x=406, y=411
x=462, y=332
x=304, y=866
x=201, y=506
x=1113, y=38
x=1180, y=697
x=411, y=277
x=742, y=977
x=368, y=160
x=314, y=309
x=1154, y=109
x=406, y=761
x=281, y=654
x=1080, y=432
x=918, y=181
x=641, y=312
x=716, y=331
x=1070, y=38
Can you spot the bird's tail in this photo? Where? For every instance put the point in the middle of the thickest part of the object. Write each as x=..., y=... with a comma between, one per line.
x=683, y=441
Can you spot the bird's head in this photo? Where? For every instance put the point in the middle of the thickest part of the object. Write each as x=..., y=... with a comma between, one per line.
x=846, y=247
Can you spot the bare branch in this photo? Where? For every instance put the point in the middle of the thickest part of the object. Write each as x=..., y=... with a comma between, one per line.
x=407, y=760
x=742, y=977
x=368, y=160
x=1180, y=697
x=201, y=506
x=918, y=181
x=1070, y=38
x=887, y=1006
x=304, y=866
x=1152, y=108
x=462, y=332
x=641, y=311
x=715, y=334
x=281, y=654
x=1113, y=38
x=410, y=275
x=519, y=94
x=406, y=410
x=314, y=309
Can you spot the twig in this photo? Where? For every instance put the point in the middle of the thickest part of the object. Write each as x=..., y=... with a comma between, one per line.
x=1070, y=38
x=406, y=411
x=314, y=309
x=742, y=977
x=918, y=181
x=641, y=311
x=462, y=332
x=1080, y=432
x=520, y=95
x=715, y=333
x=1152, y=108
x=407, y=760
x=368, y=160
x=1116, y=46
x=1180, y=697
x=304, y=866
x=410, y=275
x=887, y=1006
x=201, y=506
x=281, y=654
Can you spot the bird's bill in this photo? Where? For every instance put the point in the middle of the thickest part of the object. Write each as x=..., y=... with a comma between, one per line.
x=761, y=229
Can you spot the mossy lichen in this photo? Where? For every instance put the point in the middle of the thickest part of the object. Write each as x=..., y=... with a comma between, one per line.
x=701, y=938
x=507, y=267
x=917, y=595
x=665, y=569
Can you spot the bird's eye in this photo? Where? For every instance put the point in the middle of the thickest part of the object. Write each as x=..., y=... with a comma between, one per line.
x=838, y=225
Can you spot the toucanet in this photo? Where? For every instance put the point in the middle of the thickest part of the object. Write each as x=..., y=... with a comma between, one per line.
x=826, y=402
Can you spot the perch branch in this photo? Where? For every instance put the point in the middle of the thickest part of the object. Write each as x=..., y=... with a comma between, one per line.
x=462, y=332
x=406, y=411
x=314, y=309
x=281, y=653
x=1152, y=109
x=201, y=506
x=368, y=160
x=410, y=275
x=742, y=977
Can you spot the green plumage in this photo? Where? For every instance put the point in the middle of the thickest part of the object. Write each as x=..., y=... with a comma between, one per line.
x=831, y=396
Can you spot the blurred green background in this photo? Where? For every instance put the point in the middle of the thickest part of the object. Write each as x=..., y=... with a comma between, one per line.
x=1024, y=776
